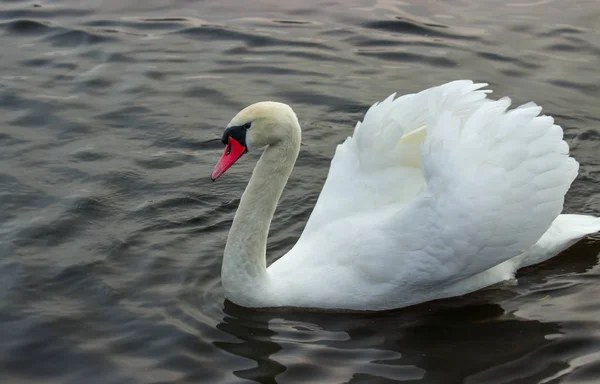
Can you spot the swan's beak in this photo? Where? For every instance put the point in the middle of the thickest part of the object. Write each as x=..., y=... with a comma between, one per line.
x=233, y=151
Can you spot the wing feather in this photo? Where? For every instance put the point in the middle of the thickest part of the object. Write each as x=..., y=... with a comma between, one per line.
x=464, y=183
x=496, y=180
x=380, y=164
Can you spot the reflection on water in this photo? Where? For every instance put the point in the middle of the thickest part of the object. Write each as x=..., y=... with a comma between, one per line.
x=111, y=233
x=397, y=346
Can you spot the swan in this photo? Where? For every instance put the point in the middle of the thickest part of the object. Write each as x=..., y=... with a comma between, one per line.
x=436, y=194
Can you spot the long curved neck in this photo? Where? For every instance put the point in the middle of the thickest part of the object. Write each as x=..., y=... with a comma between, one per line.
x=244, y=271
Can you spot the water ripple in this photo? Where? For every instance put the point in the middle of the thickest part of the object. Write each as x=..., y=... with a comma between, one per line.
x=408, y=57
x=216, y=33
x=411, y=27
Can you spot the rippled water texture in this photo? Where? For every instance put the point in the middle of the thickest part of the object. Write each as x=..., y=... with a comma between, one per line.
x=111, y=233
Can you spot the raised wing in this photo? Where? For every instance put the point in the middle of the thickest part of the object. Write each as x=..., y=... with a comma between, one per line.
x=496, y=180
x=380, y=165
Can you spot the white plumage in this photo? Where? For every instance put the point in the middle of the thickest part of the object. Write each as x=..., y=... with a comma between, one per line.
x=436, y=194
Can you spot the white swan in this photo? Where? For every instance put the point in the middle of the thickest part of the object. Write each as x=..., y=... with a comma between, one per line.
x=436, y=194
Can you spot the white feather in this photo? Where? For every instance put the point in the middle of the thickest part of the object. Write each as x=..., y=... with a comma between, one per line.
x=436, y=194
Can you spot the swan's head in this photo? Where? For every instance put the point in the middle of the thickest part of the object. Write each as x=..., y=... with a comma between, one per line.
x=254, y=127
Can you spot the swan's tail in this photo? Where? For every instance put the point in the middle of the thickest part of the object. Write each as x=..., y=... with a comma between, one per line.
x=565, y=231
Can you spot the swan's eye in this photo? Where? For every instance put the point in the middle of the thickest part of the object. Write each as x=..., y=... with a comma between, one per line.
x=247, y=125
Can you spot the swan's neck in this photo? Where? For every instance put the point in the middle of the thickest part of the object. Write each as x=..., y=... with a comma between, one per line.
x=244, y=272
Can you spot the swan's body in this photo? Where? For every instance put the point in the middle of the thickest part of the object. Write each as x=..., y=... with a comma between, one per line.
x=436, y=194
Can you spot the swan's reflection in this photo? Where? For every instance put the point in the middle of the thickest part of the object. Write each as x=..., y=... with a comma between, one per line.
x=440, y=342
x=257, y=343
x=447, y=341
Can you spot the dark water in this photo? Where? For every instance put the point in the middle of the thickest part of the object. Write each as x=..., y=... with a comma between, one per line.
x=111, y=233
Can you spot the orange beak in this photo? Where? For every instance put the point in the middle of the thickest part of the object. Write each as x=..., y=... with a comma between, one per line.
x=233, y=151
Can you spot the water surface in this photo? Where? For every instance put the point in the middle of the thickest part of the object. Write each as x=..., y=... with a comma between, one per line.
x=111, y=233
